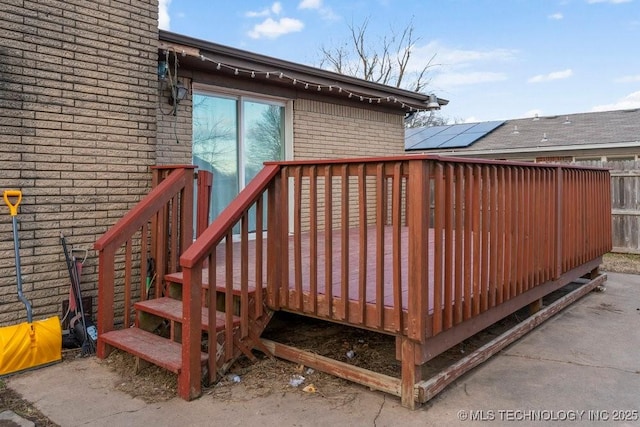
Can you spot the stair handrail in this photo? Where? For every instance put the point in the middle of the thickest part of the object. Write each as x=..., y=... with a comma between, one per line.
x=228, y=217
x=143, y=211
x=178, y=183
x=192, y=261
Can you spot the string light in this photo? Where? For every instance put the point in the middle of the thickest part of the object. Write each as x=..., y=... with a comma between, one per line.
x=294, y=80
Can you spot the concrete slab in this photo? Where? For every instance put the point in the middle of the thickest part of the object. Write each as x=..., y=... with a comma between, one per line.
x=582, y=365
x=11, y=419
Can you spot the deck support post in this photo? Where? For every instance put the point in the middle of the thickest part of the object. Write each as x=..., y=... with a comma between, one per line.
x=535, y=306
x=411, y=373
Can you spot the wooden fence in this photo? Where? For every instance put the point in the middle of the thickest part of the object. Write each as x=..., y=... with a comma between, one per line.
x=625, y=202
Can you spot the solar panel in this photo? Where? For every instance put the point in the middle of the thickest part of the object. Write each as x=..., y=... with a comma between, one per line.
x=458, y=129
x=421, y=134
x=462, y=140
x=485, y=127
x=449, y=136
x=432, y=142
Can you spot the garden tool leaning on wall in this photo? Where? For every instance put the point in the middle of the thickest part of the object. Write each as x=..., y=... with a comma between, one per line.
x=31, y=344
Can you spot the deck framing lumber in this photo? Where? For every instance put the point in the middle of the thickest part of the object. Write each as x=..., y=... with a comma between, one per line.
x=427, y=389
x=339, y=369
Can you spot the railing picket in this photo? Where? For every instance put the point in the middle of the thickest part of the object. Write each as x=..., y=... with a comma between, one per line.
x=487, y=215
x=284, y=236
x=380, y=258
x=144, y=256
x=174, y=256
x=259, y=257
x=469, y=210
x=127, y=283
x=228, y=300
x=344, y=242
x=477, y=236
x=396, y=224
x=313, y=240
x=521, y=233
x=448, y=246
x=504, y=235
x=275, y=266
x=362, y=276
x=439, y=247
x=212, y=306
x=510, y=225
x=297, y=236
x=458, y=210
x=328, y=238
x=494, y=242
x=244, y=276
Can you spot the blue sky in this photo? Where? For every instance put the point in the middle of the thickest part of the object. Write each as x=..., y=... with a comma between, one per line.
x=494, y=59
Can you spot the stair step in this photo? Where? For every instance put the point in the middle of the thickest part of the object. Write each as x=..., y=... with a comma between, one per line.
x=169, y=308
x=178, y=278
x=150, y=347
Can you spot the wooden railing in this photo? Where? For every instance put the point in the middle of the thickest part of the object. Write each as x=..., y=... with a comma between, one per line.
x=497, y=230
x=235, y=267
x=159, y=227
x=410, y=245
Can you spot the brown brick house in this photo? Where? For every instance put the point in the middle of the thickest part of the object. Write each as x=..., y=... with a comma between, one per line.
x=84, y=114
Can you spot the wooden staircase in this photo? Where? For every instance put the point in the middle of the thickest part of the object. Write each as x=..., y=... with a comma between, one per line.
x=189, y=327
x=156, y=334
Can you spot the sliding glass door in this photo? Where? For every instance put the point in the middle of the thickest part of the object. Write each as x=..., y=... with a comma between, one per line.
x=232, y=137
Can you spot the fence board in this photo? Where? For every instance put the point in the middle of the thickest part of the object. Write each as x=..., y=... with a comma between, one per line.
x=625, y=202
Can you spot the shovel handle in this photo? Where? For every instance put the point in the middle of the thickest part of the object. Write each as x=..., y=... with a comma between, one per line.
x=13, y=208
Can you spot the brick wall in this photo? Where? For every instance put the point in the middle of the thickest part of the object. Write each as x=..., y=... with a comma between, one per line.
x=78, y=96
x=323, y=130
x=174, y=131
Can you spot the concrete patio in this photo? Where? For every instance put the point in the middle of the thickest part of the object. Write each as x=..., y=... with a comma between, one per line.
x=582, y=366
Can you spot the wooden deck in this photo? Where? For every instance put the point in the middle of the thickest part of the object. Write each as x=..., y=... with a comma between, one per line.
x=426, y=248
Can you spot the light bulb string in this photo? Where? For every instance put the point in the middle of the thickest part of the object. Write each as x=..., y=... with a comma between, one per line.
x=308, y=85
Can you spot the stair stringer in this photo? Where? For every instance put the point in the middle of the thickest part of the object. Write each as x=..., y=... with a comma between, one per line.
x=241, y=345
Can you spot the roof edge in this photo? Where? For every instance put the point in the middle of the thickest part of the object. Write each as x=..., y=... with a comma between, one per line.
x=416, y=98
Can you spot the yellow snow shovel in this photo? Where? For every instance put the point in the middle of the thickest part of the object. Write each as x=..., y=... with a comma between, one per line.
x=31, y=344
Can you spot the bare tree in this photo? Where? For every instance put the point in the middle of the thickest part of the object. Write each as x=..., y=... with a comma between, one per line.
x=387, y=61
x=265, y=137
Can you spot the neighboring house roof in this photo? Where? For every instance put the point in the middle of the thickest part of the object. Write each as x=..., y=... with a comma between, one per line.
x=215, y=58
x=609, y=130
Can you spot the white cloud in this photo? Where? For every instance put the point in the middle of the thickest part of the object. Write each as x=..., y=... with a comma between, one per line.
x=556, y=75
x=272, y=29
x=628, y=102
x=628, y=79
x=325, y=12
x=469, y=78
x=275, y=8
x=164, y=20
x=609, y=1
x=310, y=4
x=556, y=16
x=459, y=57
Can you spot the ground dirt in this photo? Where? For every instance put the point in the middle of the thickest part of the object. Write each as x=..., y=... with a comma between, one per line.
x=247, y=380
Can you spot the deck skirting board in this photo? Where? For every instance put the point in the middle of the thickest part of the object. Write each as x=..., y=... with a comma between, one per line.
x=433, y=346
x=339, y=369
x=427, y=389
